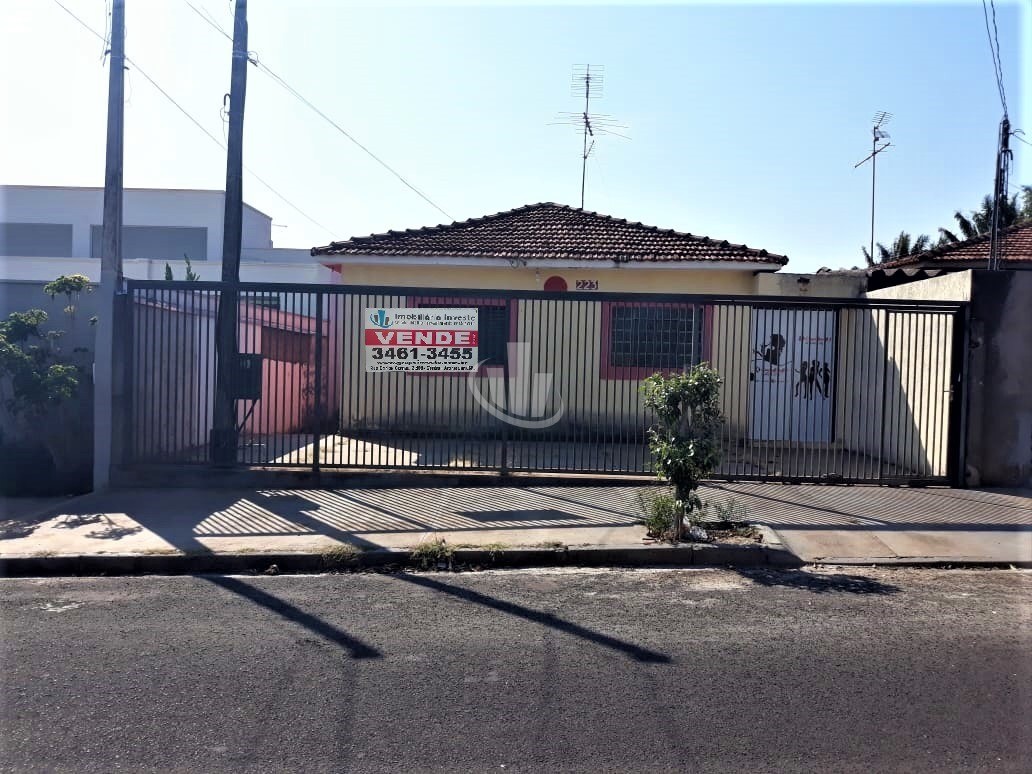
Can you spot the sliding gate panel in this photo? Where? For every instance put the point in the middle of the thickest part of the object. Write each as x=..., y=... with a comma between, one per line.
x=812, y=389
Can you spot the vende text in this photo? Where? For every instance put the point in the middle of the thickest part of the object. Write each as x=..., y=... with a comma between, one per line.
x=420, y=338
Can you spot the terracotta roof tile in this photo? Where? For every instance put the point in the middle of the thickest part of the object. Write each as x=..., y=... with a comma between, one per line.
x=1017, y=248
x=550, y=231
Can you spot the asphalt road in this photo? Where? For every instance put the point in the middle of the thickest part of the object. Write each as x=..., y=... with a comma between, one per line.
x=705, y=670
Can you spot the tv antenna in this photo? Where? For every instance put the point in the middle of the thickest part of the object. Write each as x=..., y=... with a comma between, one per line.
x=877, y=135
x=588, y=81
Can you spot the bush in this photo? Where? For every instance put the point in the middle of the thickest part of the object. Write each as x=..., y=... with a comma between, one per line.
x=685, y=441
x=48, y=392
x=660, y=512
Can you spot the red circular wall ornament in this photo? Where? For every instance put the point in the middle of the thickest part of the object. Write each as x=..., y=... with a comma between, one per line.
x=555, y=284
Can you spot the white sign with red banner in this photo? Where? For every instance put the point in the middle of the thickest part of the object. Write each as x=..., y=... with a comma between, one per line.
x=420, y=340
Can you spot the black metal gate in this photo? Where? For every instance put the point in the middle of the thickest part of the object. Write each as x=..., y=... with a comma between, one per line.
x=813, y=389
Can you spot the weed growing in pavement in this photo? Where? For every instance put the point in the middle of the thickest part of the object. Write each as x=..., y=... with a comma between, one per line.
x=338, y=556
x=433, y=554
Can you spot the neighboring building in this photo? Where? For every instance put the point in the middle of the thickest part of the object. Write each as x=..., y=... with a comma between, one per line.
x=999, y=381
x=1015, y=255
x=46, y=231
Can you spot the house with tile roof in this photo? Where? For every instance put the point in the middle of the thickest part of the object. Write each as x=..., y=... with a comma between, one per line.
x=597, y=350
x=1015, y=253
x=550, y=246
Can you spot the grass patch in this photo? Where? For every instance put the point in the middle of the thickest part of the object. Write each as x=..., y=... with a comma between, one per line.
x=556, y=545
x=339, y=555
x=433, y=554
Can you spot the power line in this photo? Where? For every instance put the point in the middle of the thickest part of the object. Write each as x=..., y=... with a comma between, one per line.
x=197, y=123
x=297, y=95
x=994, y=50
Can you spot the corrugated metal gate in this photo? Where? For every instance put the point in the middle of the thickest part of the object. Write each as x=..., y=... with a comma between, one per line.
x=814, y=389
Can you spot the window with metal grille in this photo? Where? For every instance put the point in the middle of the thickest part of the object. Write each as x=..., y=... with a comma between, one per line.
x=665, y=337
x=492, y=329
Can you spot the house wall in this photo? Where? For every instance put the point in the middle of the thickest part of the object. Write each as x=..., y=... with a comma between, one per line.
x=590, y=399
x=630, y=280
x=811, y=285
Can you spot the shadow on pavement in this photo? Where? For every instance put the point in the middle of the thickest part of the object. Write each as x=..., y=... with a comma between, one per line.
x=819, y=583
x=636, y=652
x=357, y=648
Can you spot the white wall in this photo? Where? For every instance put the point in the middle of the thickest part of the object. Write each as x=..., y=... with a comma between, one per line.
x=955, y=286
x=46, y=269
x=83, y=207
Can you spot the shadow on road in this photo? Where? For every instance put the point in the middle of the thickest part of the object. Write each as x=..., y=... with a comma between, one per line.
x=818, y=583
x=636, y=652
x=276, y=605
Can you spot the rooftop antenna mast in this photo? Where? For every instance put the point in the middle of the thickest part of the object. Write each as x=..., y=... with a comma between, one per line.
x=877, y=135
x=588, y=81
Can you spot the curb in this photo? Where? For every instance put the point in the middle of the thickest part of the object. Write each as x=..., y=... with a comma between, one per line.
x=929, y=562
x=689, y=555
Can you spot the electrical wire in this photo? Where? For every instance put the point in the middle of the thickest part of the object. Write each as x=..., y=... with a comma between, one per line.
x=198, y=124
x=994, y=50
x=253, y=58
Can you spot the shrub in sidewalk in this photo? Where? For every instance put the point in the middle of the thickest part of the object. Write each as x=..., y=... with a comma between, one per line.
x=684, y=441
x=48, y=391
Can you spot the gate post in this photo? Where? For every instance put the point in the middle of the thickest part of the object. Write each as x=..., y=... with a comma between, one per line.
x=956, y=443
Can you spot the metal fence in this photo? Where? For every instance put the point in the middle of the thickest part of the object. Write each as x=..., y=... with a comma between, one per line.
x=813, y=389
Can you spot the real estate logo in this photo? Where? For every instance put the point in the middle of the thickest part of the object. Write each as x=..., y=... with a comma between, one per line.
x=523, y=399
x=380, y=319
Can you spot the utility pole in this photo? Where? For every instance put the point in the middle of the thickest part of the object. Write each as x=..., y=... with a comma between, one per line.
x=1003, y=158
x=110, y=257
x=224, y=430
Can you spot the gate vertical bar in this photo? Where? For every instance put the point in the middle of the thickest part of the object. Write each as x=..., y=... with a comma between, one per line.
x=884, y=405
x=317, y=398
x=504, y=463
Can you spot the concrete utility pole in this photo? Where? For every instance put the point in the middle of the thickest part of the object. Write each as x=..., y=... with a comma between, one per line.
x=110, y=257
x=224, y=431
x=1003, y=157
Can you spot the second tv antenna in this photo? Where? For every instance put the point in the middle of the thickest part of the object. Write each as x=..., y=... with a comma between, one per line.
x=588, y=81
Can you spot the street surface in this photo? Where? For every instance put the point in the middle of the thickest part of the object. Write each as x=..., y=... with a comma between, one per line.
x=529, y=671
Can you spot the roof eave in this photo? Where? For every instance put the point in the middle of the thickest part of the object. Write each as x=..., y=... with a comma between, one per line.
x=768, y=263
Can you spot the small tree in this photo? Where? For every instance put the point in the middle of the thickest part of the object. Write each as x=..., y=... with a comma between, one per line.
x=45, y=389
x=685, y=441
x=191, y=275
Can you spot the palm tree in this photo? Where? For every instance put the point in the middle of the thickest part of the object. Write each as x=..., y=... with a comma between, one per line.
x=980, y=221
x=900, y=248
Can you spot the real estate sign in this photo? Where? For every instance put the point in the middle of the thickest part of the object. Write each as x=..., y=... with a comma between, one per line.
x=420, y=340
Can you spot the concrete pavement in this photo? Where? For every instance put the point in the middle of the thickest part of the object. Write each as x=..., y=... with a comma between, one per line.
x=819, y=524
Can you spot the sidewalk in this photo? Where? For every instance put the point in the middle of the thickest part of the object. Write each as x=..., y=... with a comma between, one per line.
x=819, y=524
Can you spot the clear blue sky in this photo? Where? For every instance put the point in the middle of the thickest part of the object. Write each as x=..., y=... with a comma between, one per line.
x=746, y=119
